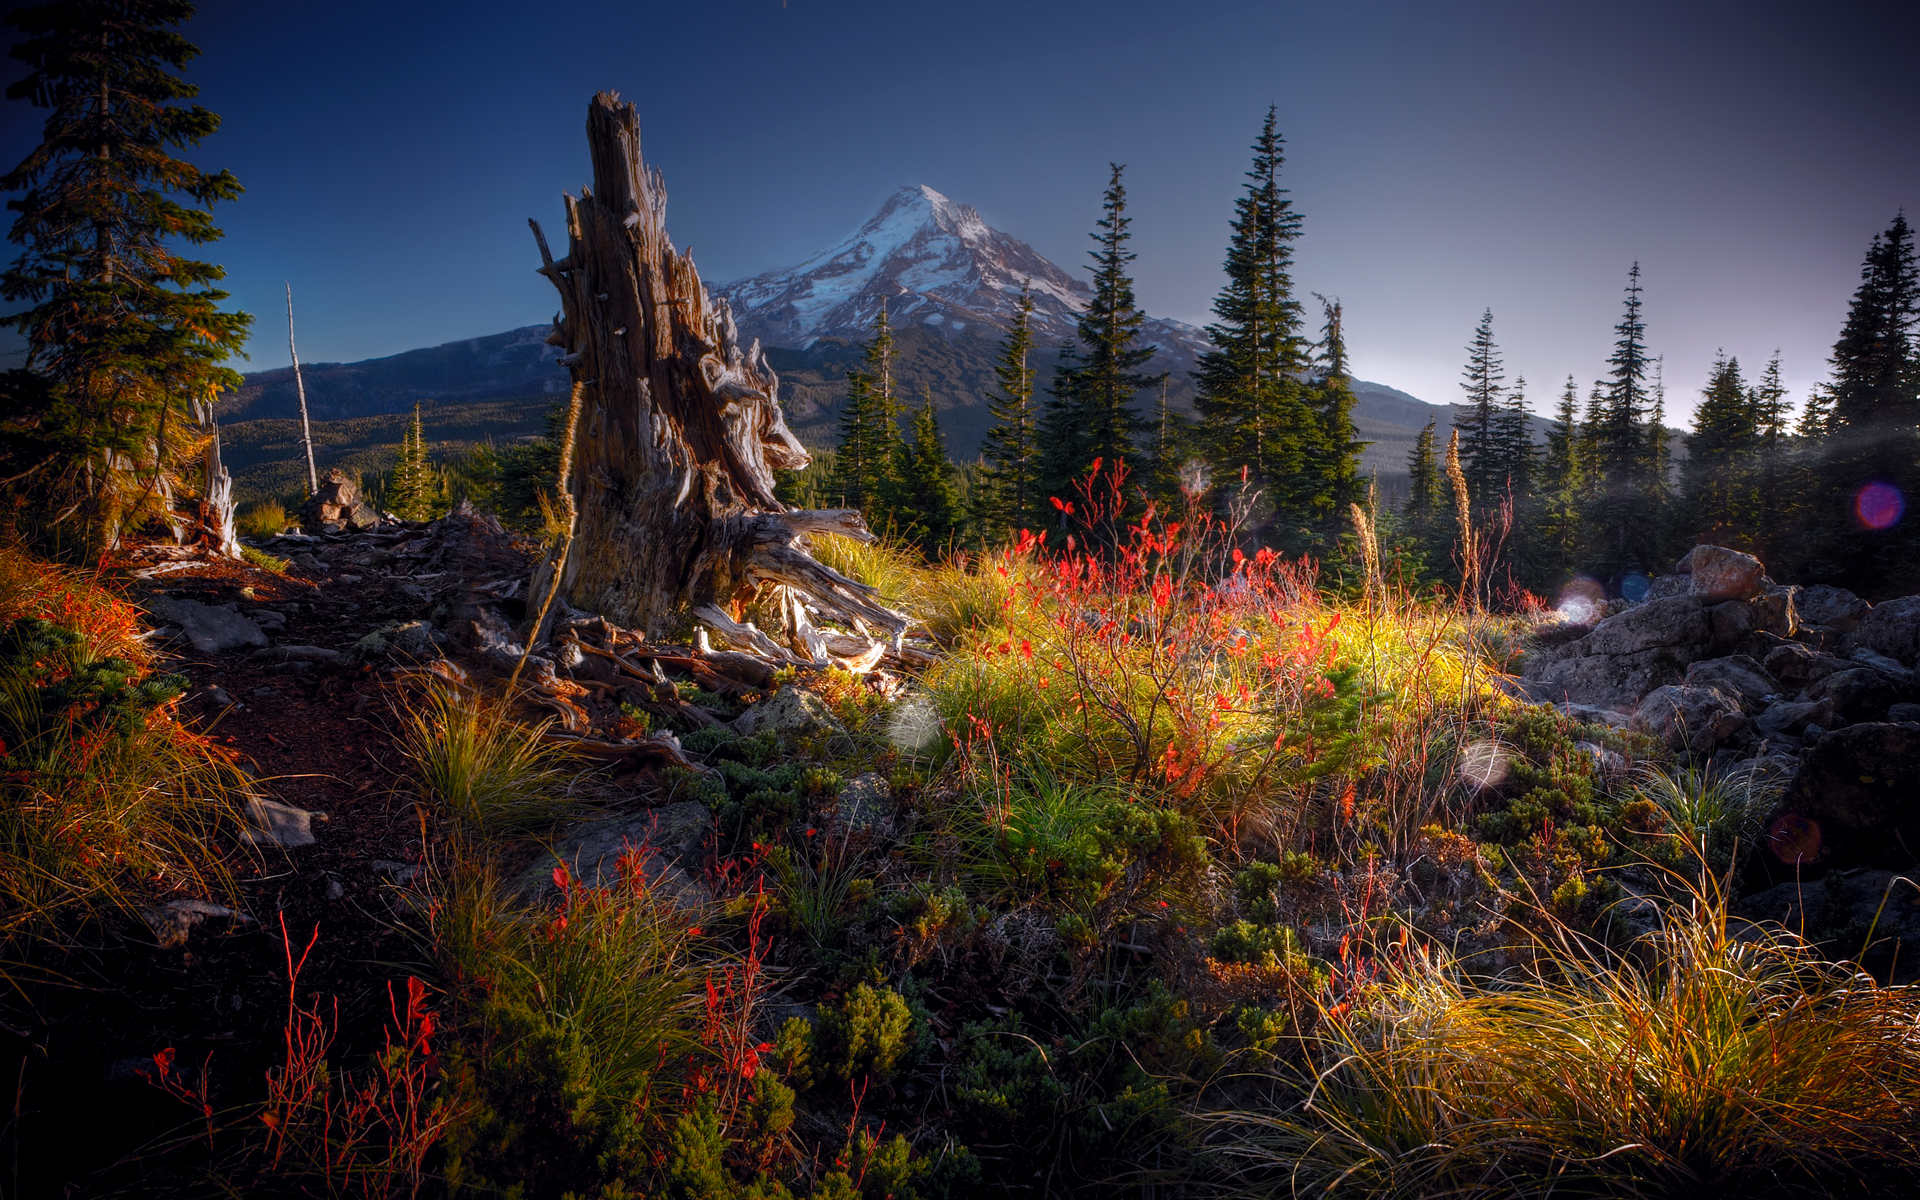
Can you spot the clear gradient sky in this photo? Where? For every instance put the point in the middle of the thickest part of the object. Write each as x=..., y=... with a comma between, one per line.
x=1446, y=157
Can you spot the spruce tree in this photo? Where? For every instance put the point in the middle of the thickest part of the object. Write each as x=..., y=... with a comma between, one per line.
x=1256, y=417
x=864, y=461
x=1718, y=482
x=1009, y=497
x=1426, y=518
x=1484, y=382
x=1335, y=462
x=1624, y=521
x=412, y=490
x=1556, y=524
x=925, y=502
x=123, y=331
x=1091, y=417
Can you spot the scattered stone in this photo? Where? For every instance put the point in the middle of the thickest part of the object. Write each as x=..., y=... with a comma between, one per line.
x=1856, y=787
x=1588, y=714
x=1610, y=762
x=311, y=654
x=865, y=803
x=791, y=712
x=400, y=873
x=1689, y=718
x=271, y=620
x=219, y=696
x=334, y=890
x=1790, y=718
x=1896, y=674
x=338, y=504
x=412, y=642
x=266, y=693
x=1738, y=676
x=270, y=823
x=173, y=922
x=1892, y=629
x=1722, y=574
x=1831, y=607
x=207, y=629
x=1906, y=710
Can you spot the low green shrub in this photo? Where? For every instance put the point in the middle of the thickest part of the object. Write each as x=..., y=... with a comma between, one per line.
x=870, y=1035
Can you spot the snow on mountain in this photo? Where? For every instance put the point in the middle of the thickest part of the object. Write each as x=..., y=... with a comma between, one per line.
x=934, y=263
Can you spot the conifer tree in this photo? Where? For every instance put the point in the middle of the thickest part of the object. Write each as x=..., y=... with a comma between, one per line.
x=1718, y=480
x=1335, y=462
x=123, y=331
x=1090, y=416
x=1251, y=401
x=411, y=487
x=1624, y=515
x=1484, y=382
x=925, y=502
x=869, y=427
x=1011, y=449
x=1426, y=518
x=1513, y=443
x=1556, y=525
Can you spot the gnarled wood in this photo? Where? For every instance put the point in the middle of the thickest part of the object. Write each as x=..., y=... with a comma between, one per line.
x=681, y=429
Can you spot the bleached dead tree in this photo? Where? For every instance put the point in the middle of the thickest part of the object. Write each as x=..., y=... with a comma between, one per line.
x=680, y=431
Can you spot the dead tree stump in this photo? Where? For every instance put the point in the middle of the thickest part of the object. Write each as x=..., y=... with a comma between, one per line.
x=680, y=429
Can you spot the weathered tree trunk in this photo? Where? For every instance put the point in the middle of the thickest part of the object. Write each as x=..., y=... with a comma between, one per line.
x=216, y=509
x=680, y=429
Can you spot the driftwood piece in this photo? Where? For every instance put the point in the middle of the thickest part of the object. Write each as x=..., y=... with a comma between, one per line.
x=681, y=429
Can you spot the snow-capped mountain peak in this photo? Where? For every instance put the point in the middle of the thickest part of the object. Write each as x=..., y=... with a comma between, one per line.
x=932, y=261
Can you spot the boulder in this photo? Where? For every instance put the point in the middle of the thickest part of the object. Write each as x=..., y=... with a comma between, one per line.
x=1904, y=711
x=1790, y=718
x=668, y=841
x=1722, y=574
x=1672, y=621
x=1608, y=681
x=1668, y=585
x=866, y=803
x=1896, y=674
x=1587, y=714
x=408, y=642
x=1855, y=801
x=1796, y=666
x=1893, y=629
x=1841, y=908
x=791, y=712
x=207, y=629
x=1689, y=718
x=1737, y=676
x=1775, y=610
x=1831, y=607
x=1731, y=623
x=1859, y=694
x=337, y=506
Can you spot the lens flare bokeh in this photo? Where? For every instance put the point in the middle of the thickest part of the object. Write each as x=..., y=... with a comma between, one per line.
x=1878, y=505
x=1582, y=601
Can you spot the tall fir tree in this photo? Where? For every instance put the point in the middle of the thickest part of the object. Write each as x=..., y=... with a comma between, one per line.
x=1256, y=417
x=122, y=330
x=1426, y=519
x=923, y=499
x=1556, y=523
x=1011, y=451
x=1478, y=420
x=1774, y=506
x=1624, y=515
x=1721, y=500
x=1335, y=462
x=412, y=489
x=864, y=461
x=1091, y=416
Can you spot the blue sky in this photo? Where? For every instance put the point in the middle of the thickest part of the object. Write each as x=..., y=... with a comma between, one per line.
x=1447, y=158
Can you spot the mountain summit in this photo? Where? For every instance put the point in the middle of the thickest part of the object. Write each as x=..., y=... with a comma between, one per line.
x=934, y=263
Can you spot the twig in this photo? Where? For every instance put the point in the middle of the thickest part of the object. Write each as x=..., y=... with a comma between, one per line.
x=566, y=538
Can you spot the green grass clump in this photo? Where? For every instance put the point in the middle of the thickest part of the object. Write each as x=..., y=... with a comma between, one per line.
x=263, y=560
x=488, y=773
x=1724, y=1061
x=106, y=801
x=263, y=519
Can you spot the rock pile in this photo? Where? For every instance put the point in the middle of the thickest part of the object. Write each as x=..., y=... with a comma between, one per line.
x=1720, y=658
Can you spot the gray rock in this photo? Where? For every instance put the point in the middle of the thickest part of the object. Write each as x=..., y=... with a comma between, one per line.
x=270, y=823
x=791, y=712
x=1790, y=718
x=1722, y=574
x=1689, y=718
x=667, y=839
x=1775, y=610
x=1853, y=799
x=1737, y=676
x=1892, y=629
x=334, y=890
x=1796, y=666
x=865, y=803
x=1841, y=907
x=1834, y=608
x=1611, y=681
x=1860, y=694
x=1685, y=565
x=1590, y=715
x=1732, y=623
x=412, y=641
x=399, y=872
x=310, y=654
x=1668, y=585
x=1906, y=710
x=1672, y=621
x=271, y=620
x=207, y=629
x=1896, y=674
x=1610, y=762
x=173, y=922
